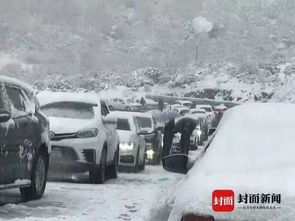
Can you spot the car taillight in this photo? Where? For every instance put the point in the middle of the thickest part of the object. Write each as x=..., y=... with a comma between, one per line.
x=193, y=217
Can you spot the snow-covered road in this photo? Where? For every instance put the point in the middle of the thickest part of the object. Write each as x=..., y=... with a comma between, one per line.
x=135, y=197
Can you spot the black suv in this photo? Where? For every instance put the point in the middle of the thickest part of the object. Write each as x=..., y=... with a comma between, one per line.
x=24, y=140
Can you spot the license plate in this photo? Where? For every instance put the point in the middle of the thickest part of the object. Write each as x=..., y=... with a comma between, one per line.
x=56, y=154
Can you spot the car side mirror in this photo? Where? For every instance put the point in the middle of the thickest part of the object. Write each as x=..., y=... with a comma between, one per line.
x=109, y=119
x=212, y=131
x=5, y=115
x=176, y=163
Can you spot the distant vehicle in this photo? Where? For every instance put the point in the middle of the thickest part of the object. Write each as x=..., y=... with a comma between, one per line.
x=24, y=140
x=83, y=135
x=252, y=142
x=218, y=111
x=132, y=143
x=149, y=103
x=209, y=111
x=204, y=124
x=119, y=104
x=185, y=103
x=153, y=137
x=178, y=108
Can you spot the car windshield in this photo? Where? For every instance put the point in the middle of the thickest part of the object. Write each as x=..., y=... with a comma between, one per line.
x=123, y=124
x=75, y=110
x=144, y=122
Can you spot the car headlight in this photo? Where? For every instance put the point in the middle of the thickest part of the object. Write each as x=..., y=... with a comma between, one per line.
x=87, y=133
x=150, y=154
x=127, y=146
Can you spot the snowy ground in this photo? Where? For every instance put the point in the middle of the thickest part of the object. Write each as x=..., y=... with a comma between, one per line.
x=135, y=197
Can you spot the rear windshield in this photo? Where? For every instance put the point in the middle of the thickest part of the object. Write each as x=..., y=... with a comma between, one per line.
x=123, y=124
x=144, y=122
x=74, y=110
x=184, y=112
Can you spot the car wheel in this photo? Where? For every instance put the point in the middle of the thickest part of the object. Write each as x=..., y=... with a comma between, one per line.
x=143, y=163
x=128, y=108
x=38, y=180
x=113, y=169
x=97, y=175
x=136, y=167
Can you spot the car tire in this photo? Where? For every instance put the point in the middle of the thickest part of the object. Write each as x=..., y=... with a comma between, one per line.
x=113, y=169
x=136, y=167
x=128, y=108
x=142, y=167
x=97, y=175
x=38, y=180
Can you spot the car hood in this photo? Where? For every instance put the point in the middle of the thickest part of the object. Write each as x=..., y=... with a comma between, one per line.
x=69, y=125
x=125, y=135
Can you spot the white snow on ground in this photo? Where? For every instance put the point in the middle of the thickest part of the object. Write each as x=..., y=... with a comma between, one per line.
x=130, y=197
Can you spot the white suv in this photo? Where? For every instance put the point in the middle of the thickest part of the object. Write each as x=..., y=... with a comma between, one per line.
x=83, y=135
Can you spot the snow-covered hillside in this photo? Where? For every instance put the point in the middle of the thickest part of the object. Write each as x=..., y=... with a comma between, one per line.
x=233, y=50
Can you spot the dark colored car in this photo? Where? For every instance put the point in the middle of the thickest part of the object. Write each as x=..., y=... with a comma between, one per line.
x=24, y=140
x=153, y=137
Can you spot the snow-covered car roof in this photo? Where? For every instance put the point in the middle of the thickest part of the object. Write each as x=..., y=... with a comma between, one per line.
x=139, y=114
x=123, y=114
x=203, y=105
x=252, y=152
x=47, y=97
x=16, y=82
x=197, y=110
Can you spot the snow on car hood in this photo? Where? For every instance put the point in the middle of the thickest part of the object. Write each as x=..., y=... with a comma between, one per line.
x=253, y=152
x=69, y=125
x=125, y=135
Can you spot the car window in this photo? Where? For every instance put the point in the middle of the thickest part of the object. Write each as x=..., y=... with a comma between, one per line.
x=115, y=100
x=208, y=109
x=75, y=110
x=120, y=100
x=16, y=97
x=104, y=109
x=144, y=122
x=123, y=124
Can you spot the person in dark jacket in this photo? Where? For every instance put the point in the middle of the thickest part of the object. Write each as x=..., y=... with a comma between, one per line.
x=185, y=126
x=161, y=104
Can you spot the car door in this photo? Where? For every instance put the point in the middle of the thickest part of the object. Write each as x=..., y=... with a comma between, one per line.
x=116, y=104
x=20, y=153
x=110, y=132
x=141, y=141
x=7, y=127
x=122, y=104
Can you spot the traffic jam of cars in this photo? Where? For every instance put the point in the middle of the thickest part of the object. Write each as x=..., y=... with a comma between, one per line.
x=47, y=134
x=60, y=133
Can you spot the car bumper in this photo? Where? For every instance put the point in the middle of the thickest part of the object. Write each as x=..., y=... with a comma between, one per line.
x=127, y=158
x=73, y=155
x=70, y=167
